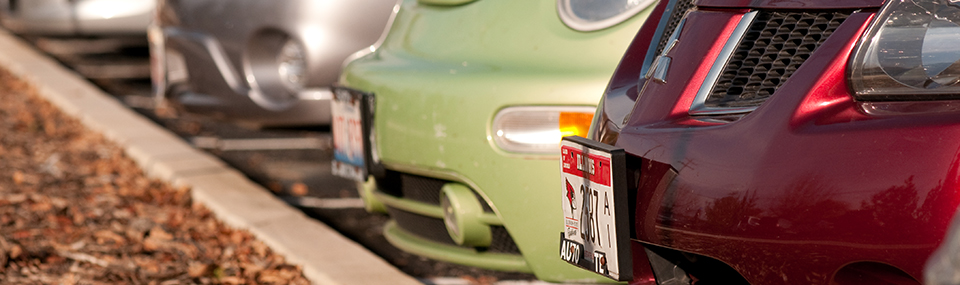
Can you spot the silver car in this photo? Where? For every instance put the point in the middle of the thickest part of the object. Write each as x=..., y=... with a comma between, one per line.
x=259, y=63
x=77, y=17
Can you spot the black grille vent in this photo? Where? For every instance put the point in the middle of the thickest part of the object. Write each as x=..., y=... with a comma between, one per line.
x=502, y=241
x=426, y=227
x=417, y=188
x=679, y=9
x=433, y=229
x=774, y=46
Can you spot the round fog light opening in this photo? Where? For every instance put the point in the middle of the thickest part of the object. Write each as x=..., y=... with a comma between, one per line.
x=462, y=213
x=449, y=216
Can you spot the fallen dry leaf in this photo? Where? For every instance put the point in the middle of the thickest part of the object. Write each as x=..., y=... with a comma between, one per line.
x=15, y=251
x=159, y=234
x=75, y=210
x=17, y=177
x=298, y=189
x=274, y=186
x=198, y=269
x=104, y=236
x=231, y=280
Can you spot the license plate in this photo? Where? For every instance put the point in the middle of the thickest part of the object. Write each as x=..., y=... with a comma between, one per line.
x=350, y=150
x=595, y=212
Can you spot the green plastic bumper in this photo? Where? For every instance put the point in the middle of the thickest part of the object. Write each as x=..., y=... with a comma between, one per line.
x=419, y=246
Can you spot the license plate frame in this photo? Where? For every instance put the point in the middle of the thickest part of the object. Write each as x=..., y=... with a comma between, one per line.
x=351, y=127
x=594, y=172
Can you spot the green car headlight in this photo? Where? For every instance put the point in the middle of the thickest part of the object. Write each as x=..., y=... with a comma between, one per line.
x=538, y=129
x=592, y=15
x=910, y=52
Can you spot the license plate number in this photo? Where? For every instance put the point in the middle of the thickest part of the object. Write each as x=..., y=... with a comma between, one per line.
x=595, y=235
x=347, y=126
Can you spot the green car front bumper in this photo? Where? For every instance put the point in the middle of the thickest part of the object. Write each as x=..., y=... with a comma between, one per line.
x=438, y=80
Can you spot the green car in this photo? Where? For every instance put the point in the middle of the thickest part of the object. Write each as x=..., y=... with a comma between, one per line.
x=452, y=124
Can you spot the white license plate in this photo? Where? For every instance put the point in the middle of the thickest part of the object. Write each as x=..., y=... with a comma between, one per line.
x=596, y=224
x=349, y=149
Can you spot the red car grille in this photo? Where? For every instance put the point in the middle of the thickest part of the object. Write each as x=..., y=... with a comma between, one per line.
x=774, y=46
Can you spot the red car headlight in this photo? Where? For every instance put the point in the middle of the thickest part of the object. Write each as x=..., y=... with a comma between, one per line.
x=910, y=52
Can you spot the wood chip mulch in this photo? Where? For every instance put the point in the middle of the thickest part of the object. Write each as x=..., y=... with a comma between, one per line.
x=75, y=210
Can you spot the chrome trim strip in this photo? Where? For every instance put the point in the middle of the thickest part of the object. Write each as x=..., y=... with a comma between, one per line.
x=662, y=64
x=698, y=107
x=648, y=59
x=376, y=45
x=674, y=37
x=656, y=62
x=660, y=73
x=315, y=94
x=229, y=73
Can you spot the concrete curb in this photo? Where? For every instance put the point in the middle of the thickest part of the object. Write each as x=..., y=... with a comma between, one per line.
x=325, y=256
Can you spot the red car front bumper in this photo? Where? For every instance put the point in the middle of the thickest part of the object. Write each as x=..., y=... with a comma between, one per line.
x=810, y=187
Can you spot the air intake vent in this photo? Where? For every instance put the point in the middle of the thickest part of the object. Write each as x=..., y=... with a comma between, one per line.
x=773, y=47
x=433, y=229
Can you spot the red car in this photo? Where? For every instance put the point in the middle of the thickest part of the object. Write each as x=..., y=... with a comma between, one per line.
x=772, y=142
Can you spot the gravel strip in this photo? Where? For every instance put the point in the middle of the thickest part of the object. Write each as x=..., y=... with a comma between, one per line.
x=75, y=210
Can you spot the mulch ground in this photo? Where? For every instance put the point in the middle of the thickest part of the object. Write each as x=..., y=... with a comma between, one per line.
x=75, y=210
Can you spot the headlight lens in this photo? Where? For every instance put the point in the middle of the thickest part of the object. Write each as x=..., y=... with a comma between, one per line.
x=531, y=129
x=591, y=15
x=910, y=52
